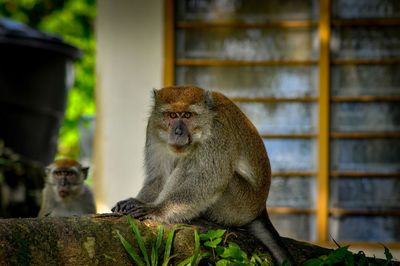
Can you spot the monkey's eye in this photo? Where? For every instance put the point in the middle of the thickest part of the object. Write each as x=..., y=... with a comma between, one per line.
x=173, y=115
x=58, y=173
x=187, y=115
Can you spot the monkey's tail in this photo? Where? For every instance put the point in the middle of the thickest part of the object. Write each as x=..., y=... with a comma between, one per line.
x=263, y=229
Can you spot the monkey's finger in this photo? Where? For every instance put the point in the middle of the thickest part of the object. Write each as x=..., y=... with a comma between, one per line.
x=117, y=208
x=139, y=212
x=128, y=207
x=121, y=207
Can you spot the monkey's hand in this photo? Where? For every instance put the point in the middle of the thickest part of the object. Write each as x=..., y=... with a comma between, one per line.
x=125, y=206
x=136, y=208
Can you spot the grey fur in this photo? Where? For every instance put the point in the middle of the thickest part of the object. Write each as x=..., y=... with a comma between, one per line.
x=224, y=174
x=80, y=200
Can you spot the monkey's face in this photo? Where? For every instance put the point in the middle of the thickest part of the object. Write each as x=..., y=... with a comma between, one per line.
x=66, y=182
x=178, y=123
x=182, y=117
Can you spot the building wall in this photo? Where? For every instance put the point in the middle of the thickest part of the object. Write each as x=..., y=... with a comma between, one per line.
x=129, y=65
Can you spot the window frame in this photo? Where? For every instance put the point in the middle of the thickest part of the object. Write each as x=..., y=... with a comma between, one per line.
x=324, y=135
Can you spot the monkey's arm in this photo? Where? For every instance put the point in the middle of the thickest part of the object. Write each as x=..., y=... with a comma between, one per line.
x=87, y=200
x=148, y=194
x=183, y=198
x=150, y=190
x=41, y=212
x=47, y=203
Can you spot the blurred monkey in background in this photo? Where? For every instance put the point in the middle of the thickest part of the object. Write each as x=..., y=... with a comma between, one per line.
x=65, y=193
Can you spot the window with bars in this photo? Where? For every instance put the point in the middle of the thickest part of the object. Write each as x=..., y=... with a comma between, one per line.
x=321, y=82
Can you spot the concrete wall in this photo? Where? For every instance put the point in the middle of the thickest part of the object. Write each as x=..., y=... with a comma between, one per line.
x=129, y=65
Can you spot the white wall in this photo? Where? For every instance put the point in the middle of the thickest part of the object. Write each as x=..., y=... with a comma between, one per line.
x=129, y=65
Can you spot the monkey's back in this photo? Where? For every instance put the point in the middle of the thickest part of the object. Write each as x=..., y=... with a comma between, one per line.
x=248, y=188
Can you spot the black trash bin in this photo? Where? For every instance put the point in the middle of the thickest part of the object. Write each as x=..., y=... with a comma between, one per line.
x=35, y=74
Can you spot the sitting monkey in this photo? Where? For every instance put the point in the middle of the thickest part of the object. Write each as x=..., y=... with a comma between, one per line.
x=65, y=193
x=204, y=158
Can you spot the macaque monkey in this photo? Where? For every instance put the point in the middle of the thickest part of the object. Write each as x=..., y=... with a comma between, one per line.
x=65, y=193
x=204, y=158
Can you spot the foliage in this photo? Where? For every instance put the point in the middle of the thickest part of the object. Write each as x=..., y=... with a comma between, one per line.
x=224, y=254
x=145, y=259
x=73, y=20
x=212, y=248
x=342, y=256
x=209, y=248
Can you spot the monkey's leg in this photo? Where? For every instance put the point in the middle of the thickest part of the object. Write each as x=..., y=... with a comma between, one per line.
x=263, y=229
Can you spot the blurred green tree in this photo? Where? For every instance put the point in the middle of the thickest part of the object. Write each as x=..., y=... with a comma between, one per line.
x=73, y=20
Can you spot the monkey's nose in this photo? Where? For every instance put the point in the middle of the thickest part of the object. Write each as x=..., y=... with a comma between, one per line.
x=178, y=131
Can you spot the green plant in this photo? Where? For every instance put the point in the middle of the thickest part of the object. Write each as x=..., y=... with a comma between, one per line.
x=145, y=259
x=212, y=239
x=342, y=256
x=109, y=258
x=221, y=253
x=388, y=256
x=210, y=247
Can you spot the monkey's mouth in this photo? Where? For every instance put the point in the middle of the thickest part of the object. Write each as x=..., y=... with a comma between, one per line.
x=180, y=144
x=179, y=148
x=63, y=193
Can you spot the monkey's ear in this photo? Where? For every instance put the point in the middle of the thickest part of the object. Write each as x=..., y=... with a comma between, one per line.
x=208, y=99
x=155, y=95
x=47, y=170
x=85, y=172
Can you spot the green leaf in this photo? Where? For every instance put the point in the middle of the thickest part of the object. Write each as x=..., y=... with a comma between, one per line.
x=107, y=257
x=196, y=248
x=262, y=262
x=212, y=234
x=139, y=239
x=219, y=250
x=186, y=261
x=313, y=262
x=286, y=263
x=336, y=243
x=338, y=255
x=213, y=244
x=233, y=251
x=168, y=245
x=362, y=259
x=156, y=245
x=130, y=250
x=388, y=255
x=223, y=262
x=166, y=260
x=349, y=259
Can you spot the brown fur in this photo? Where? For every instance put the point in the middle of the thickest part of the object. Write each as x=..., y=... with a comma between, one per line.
x=66, y=163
